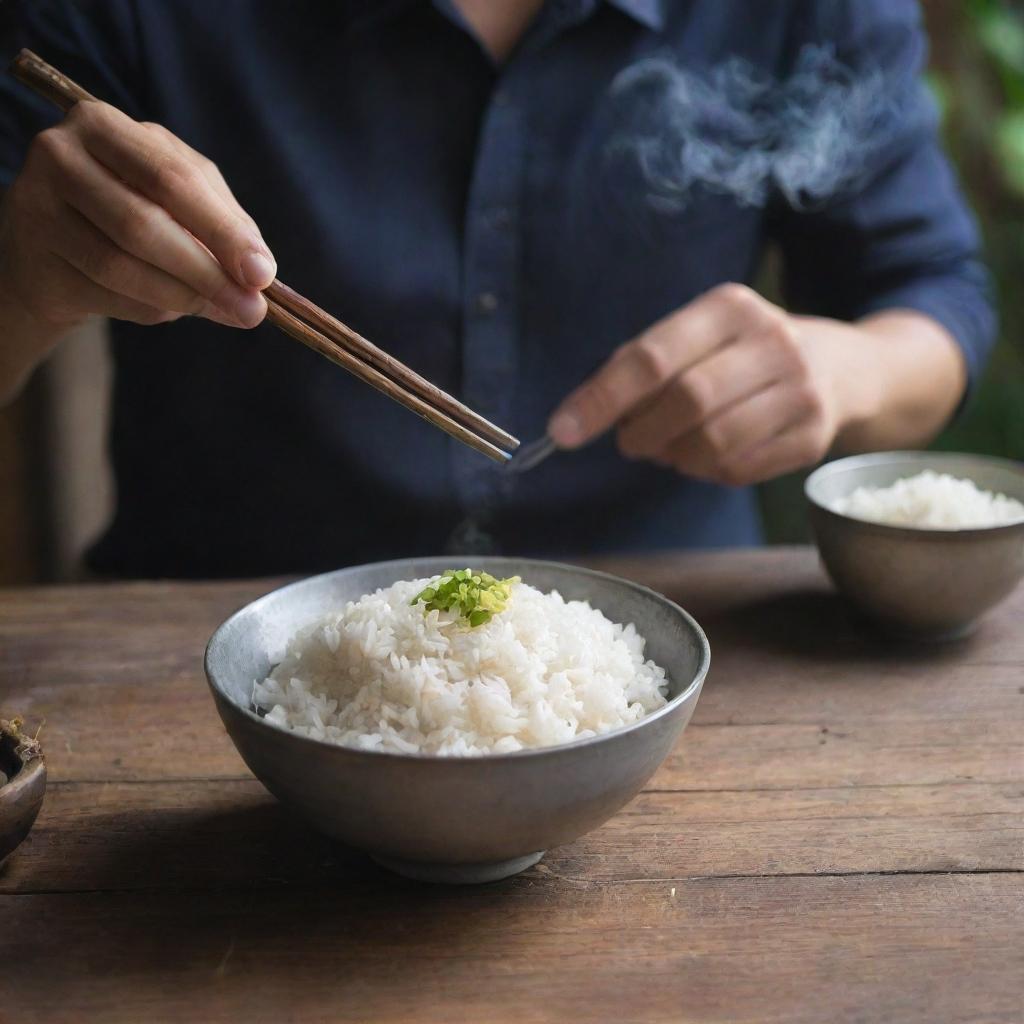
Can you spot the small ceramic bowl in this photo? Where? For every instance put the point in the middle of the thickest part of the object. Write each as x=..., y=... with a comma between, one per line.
x=921, y=583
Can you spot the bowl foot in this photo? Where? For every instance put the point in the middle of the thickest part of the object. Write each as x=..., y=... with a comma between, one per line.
x=459, y=874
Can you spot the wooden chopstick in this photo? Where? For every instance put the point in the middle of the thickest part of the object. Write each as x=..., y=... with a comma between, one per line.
x=387, y=364
x=30, y=69
x=318, y=342
x=306, y=322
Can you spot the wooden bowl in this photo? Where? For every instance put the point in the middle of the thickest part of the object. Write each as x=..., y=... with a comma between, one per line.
x=22, y=762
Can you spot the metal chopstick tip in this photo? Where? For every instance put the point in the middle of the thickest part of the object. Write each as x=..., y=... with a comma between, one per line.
x=531, y=455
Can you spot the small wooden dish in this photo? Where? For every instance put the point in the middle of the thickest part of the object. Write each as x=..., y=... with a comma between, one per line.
x=21, y=760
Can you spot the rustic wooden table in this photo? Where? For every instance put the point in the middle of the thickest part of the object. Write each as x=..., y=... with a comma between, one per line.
x=839, y=837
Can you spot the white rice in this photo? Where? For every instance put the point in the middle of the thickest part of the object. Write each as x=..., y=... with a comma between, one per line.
x=383, y=674
x=931, y=501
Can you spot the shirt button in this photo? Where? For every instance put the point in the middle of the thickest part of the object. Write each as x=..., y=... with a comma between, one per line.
x=500, y=217
x=500, y=98
x=487, y=302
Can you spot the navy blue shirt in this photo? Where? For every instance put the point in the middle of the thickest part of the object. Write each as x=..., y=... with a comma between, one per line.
x=501, y=230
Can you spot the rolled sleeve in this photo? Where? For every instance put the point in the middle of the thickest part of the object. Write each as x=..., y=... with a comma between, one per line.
x=958, y=300
x=904, y=238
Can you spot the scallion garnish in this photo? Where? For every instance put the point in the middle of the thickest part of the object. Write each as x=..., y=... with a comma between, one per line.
x=476, y=596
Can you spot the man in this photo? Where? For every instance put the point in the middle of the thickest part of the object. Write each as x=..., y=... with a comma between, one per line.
x=549, y=209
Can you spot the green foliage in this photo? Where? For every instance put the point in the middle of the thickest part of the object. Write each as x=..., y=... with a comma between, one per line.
x=993, y=46
x=998, y=30
x=939, y=88
x=1009, y=148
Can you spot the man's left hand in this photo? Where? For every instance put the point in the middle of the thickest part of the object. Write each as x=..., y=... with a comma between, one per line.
x=725, y=389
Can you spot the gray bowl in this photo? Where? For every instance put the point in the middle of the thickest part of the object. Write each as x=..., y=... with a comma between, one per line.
x=924, y=584
x=453, y=819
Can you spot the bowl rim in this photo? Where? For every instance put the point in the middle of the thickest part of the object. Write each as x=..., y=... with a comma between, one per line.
x=921, y=459
x=445, y=759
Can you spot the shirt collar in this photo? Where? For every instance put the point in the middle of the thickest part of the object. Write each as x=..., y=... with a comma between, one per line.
x=650, y=13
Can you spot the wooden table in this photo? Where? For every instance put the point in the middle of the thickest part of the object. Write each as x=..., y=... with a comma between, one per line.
x=837, y=838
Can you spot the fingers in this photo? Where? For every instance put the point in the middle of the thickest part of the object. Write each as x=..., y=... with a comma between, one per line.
x=209, y=169
x=106, y=302
x=792, y=450
x=89, y=251
x=176, y=181
x=146, y=231
x=756, y=438
x=726, y=376
x=85, y=235
x=643, y=367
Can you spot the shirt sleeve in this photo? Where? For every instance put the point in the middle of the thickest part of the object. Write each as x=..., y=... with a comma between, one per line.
x=903, y=237
x=94, y=42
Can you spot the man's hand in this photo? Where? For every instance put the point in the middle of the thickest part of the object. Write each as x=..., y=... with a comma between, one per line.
x=733, y=389
x=725, y=389
x=122, y=219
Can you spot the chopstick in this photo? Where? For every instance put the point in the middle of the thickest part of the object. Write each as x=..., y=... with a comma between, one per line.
x=30, y=69
x=388, y=365
x=307, y=323
x=312, y=338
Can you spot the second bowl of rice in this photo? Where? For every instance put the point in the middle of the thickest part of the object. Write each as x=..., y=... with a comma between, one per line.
x=923, y=543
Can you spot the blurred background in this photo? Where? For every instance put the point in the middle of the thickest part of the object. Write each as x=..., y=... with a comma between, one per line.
x=55, y=490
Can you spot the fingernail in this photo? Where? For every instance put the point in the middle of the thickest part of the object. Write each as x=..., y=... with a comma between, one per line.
x=258, y=269
x=566, y=429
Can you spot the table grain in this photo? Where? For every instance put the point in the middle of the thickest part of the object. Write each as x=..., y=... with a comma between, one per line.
x=838, y=837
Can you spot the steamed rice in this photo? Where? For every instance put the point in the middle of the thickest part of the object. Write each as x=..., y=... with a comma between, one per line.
x=383, y=674
x=931, y=501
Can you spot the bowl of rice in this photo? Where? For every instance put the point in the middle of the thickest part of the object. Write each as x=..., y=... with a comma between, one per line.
x=455, y=724
x=924, y=543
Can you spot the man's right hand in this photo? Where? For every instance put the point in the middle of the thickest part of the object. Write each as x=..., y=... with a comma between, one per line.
x=116, y=218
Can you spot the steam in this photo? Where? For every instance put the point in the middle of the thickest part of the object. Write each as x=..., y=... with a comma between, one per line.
x=808, y=137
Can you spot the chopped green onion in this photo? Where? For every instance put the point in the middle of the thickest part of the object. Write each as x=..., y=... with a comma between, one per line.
x=476, y=596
